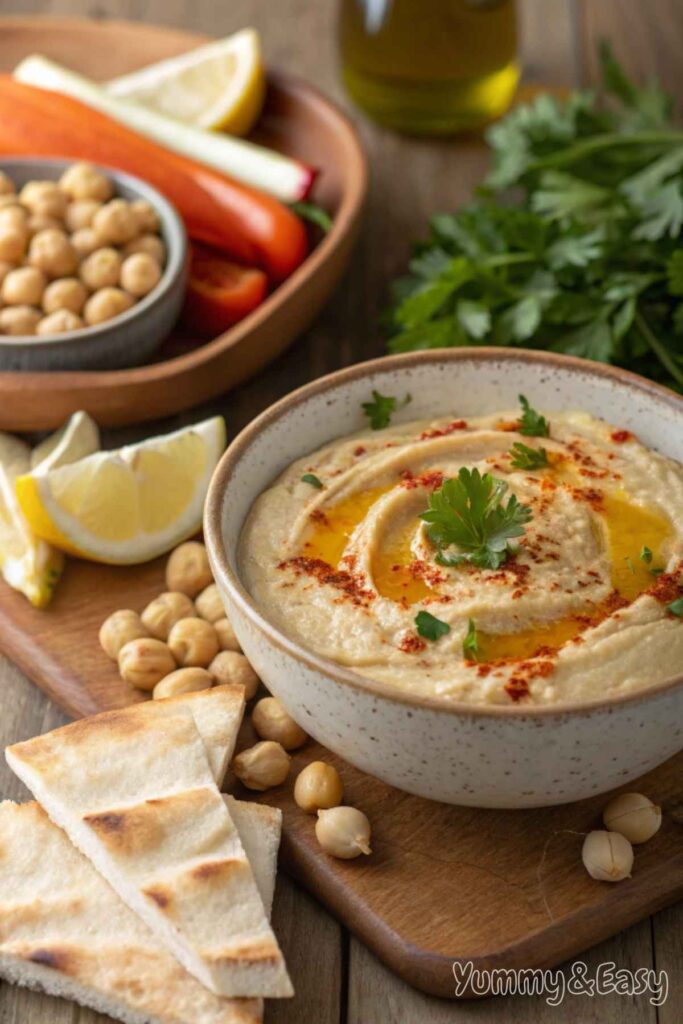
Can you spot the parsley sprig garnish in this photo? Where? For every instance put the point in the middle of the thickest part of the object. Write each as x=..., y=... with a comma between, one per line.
x=676, y=607
x=531, y=423
x=528, y=458
x=468, y=513
x=382, y=407
x=430, y=627
x=470, y=645
x=313, y=480
x=575, y=242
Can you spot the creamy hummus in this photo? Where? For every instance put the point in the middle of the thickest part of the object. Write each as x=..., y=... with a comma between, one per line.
x=580, y=609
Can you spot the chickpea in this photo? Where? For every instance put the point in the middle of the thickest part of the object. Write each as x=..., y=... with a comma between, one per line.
x=5, y=268
x=272, y=722
x=101, y=269
x=36, y=222
x=164, y=611
x=230, y=667
x=23, y=287
x=79, y=214
x=6, y=184
x=146, y=216
x=13, y=213
x=64, y=293
x=226, y=635
x=52, y=252
x=13, y=242
x=140, y=274
x=183, y=680
x=193, y=642
x=318, y=786
x=115, y=223
x=19, y=320
x=343, y=832
x=149, y=244
x=85, y=241
x=118, y=629
x=60, y=322
x=262, y=766
x=44, y=198
x=187, y=569
x=106, y=304
x=633, y=815
x=83, y=181
x=144, y=662
x=607, y=856
x=209, y=604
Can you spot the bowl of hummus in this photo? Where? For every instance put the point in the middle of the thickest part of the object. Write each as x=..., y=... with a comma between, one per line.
x=463, y=571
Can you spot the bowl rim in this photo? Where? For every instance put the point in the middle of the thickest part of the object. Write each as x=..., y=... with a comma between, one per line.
x=172, y=232
x=330, y=669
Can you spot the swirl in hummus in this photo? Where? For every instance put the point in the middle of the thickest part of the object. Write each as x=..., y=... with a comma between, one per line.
x=581, y=607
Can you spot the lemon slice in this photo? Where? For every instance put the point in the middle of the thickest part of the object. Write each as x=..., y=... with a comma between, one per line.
x=128, y=505
x=27, y=563
x=80, y=436
x=220, y=86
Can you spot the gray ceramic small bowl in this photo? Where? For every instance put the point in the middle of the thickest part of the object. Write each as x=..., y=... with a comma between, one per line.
x=129, y=339
x=485, y=756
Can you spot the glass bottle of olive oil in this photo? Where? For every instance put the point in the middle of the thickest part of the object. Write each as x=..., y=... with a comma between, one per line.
x=429, y=66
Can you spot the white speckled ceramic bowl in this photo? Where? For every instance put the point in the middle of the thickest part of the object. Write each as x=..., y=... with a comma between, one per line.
x=126, y=340
x=494, y=756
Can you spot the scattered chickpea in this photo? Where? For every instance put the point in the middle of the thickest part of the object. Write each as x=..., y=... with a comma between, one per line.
x=607, y=856
x=106, y=304
x=144, y=662
x=164, y=611
x=152, y=245
x=183, y=680
x=634, y=816
x=79, y=214
x=140, y=273
x=226, y=635
x=146, y=216
x=272, y=722
x=83, y=181
x=262, y=766
x=101, y=269
x=64, y=293
x=231, y=667
x=19, y=321
x=318, y=787
x=23, y=287
x=118, y=629
x=193, y=642
x=44, y=198
x=343, y=832
x=115, y=223
x=60, y=322
x=187, y=569
x=6, y=184
x=209, y=604
x=13, y=242
x=85, y=241
x=52, y=252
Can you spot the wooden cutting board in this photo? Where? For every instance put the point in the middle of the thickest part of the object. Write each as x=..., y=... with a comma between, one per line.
x=444, y=884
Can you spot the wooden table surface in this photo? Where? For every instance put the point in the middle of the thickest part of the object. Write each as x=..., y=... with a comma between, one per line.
x=337, y=980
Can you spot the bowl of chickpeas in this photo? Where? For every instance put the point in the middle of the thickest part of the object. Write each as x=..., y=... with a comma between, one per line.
x=93, y=267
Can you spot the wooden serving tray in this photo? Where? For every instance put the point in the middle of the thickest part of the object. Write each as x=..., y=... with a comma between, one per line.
x=297, y=120
x=499, y=888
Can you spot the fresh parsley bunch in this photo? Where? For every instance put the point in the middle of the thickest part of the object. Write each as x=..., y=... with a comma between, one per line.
x=575, y=244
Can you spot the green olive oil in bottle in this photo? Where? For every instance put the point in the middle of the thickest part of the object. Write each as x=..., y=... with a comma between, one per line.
x=430, y=67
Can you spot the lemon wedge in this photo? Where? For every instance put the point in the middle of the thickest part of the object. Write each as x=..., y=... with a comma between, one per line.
x=220, y=86
x=80, y=436
x=28, y=564
x=129, y=505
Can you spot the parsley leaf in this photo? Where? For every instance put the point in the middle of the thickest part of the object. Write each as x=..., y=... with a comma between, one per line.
x=430, y=627
x=380, y=410
x=470, y=645
x=468, y=513
x=528, y=458
x=531, y=423
x=314, y=214
x=645, y=554
x=313, y=480
x=676, y=607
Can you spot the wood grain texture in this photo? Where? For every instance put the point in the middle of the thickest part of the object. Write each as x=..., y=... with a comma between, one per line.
x=410, y=179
